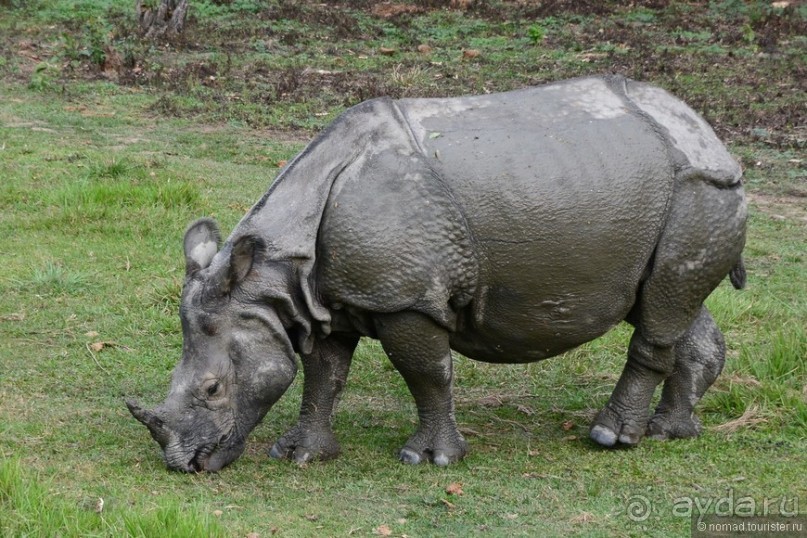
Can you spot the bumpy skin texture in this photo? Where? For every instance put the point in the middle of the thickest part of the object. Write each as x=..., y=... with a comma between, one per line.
x=509, y=227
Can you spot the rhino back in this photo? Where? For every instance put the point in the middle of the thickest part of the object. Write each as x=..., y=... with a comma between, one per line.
x=564, y=189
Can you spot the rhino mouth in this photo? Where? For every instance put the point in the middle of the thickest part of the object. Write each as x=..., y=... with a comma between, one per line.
x=199, y=461
x=193, y=461
x=220, y=457
x=210, y=458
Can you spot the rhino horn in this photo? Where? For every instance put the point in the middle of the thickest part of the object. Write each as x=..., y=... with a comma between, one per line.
x=149, y=419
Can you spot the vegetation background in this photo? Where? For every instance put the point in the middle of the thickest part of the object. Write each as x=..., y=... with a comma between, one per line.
x=110, y=143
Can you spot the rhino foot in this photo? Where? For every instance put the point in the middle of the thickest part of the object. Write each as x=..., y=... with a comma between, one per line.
x=611, y=427
x=439, y=450
x=664, y=426
x=302, y=445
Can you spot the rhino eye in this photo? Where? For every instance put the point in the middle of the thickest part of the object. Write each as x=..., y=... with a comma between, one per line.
x=213, y=389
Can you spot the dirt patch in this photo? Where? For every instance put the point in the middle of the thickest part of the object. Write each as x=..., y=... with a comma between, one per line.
x=300, y=136
x=782, y=208
x=388, y=10
x=740, y=68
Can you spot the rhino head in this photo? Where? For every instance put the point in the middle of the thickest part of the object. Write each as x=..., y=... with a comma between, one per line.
x=237, y=357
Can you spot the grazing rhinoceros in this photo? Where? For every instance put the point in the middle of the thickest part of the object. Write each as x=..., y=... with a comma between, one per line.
x=509, y=227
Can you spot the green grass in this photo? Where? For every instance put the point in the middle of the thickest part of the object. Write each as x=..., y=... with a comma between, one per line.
x=31, y=508
x=99, y=177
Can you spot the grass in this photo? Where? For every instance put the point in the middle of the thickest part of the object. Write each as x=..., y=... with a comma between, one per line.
x=31, y=508
x=103, y=168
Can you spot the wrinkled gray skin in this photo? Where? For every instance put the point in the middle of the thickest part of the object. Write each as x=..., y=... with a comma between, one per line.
x=509, y=227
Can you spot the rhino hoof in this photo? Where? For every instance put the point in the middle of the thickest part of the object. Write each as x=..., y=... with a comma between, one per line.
x=663, y=427
x=301, y=457
x=441, y=460
x=409, y=457
x=277, y=453
x=603, y=436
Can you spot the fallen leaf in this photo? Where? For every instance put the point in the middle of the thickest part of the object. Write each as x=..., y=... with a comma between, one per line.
x=470, y=53
x=448, y=504
x=281, y=163
x=218, y=513
x=386, y=51
x=99, y=505
x=97, y=346
x=424, y=48
x=383, y=530
x=568, y=425
x=570, y=438
x=454, y=488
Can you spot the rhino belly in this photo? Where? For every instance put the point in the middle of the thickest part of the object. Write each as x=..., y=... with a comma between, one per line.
x=515, y=326
x=564, y=189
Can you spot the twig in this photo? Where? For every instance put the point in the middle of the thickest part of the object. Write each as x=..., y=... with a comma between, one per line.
x=87, y=345
x=502, y=420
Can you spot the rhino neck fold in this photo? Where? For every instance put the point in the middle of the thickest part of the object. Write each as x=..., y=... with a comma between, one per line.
x=287, y=218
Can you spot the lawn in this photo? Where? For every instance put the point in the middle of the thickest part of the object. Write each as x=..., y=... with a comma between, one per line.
x=111, y=144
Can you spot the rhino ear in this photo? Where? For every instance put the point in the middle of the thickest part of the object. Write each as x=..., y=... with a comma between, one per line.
x=238, y=260
x=201, y=244
x=242, y=257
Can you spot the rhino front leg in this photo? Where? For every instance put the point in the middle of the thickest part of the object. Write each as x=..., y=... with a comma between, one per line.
x=325, y=370
x=624, y=418
x=420, y=351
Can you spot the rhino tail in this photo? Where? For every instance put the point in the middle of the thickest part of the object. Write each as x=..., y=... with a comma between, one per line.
x=737, y=274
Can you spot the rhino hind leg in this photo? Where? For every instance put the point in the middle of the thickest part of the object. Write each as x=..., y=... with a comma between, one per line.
x=325, y=370
x=419, y=350
x=701, y=242
x=699, y=358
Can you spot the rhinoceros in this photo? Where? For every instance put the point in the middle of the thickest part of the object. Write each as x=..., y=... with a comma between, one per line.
x=509, y=227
